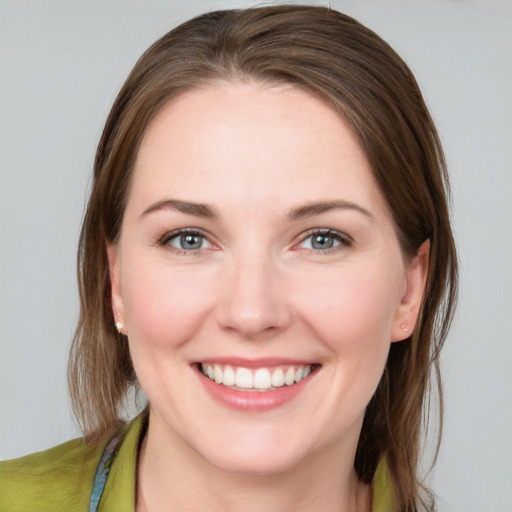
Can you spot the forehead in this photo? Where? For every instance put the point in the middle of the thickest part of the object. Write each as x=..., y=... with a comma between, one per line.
x=240, y=141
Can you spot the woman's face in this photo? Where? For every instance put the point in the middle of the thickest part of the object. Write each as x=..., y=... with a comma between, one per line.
x=257, y=248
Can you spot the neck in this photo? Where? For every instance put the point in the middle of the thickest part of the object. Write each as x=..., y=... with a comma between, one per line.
x=174, y=477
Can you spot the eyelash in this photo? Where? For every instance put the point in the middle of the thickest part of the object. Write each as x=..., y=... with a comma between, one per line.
x=343, y=239
x=168, y=237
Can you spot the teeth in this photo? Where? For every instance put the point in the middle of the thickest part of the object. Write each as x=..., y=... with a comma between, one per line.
x=262, y=378
x=217, y=374
x=229, y=376
x=278, y=378
x=243, y=378
x=289, y=378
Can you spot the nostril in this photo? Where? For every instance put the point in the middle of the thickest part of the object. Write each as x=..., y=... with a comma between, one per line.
x=254, y=320
x=252, y=300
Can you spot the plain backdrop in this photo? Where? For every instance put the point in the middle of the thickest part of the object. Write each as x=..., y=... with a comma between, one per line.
x=61, y=65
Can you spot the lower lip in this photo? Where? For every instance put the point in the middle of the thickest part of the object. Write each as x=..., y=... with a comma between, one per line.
x=253, y=401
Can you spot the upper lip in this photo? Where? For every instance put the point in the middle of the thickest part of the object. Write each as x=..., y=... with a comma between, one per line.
x=264, y=362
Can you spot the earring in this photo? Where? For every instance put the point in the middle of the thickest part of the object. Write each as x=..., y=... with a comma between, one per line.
x=404, y=327
x=118, y=324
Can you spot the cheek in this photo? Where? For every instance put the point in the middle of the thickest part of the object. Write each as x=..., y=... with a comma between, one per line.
x=164, y=310
x=352, y=314
x=164, y=306
x=354, y=307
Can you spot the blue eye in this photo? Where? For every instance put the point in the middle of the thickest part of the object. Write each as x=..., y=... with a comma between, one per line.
x=186, y=240
x=323, y=240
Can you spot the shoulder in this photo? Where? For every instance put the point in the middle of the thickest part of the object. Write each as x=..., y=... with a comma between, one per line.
x=382, y=489
x=56, y=479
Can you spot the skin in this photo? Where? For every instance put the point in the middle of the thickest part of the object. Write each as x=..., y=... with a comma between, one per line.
x=257, y=288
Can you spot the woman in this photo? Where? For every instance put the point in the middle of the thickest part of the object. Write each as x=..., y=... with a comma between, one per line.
x=267, y=253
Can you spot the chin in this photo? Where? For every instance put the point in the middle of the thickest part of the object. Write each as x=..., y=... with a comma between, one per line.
x=253, y=464
x=254, y=454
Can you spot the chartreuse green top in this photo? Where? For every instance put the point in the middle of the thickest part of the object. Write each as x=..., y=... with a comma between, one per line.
x=79, y=477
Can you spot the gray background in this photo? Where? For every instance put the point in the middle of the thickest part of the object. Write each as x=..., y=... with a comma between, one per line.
x=61, y=65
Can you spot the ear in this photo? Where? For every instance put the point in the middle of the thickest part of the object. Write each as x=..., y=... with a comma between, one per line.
x=116, y=298
x=408, y=309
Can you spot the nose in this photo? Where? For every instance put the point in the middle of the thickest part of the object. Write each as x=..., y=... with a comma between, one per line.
x=254, y=303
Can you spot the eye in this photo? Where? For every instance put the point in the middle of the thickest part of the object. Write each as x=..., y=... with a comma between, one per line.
x=324, y=239
x=186, y=240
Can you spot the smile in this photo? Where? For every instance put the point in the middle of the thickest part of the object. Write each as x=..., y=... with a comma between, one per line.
x=258, y=379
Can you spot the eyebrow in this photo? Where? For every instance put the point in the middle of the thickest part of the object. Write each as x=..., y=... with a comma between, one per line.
x=190, y=208
x=316, y=208
x=299, y=212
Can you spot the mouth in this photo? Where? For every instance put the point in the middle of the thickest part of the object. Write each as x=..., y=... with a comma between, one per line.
x=255, y=386
x=262, y=379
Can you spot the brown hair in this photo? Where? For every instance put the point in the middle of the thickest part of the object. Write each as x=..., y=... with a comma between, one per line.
x=349, y=67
